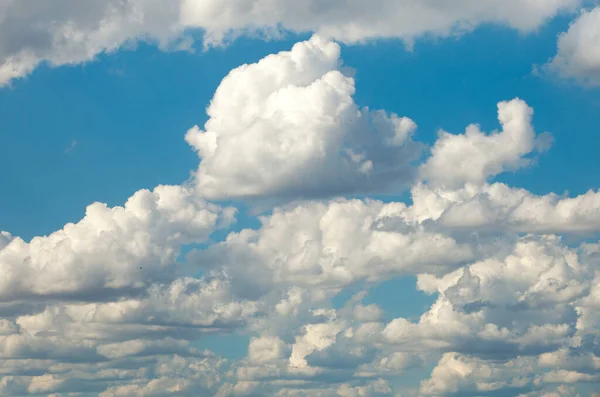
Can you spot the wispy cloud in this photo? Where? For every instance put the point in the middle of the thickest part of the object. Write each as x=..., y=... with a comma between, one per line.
x=72, y=146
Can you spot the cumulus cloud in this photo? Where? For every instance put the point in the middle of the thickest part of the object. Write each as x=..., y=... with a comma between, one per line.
x=69, y=32
x=498, y=207
x=456, y=373
x=474, y=157
x=288, y=126
x=102, y=306
x=141, y=346
x=330, y=246
x=506, y=307
x=518, y=305
x=578, y=54
x=110, y=249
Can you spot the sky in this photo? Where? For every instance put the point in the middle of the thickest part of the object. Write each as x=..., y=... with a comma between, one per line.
x=325, y=199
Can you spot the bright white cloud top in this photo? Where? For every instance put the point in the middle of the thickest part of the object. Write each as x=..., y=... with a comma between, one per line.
x=578, y=55
x=69, y=32
x=288, y=126
x=101, y=306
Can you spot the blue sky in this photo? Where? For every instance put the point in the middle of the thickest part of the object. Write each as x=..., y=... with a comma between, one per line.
x=127, y=113
x=276, y=301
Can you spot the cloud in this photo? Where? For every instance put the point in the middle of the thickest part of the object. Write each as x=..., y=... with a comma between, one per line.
x=498, y=207
x=71, y=146
x=507, y=307
x=287, y=126
x=69, y=32
x=352, y=21
x=474, y=157
x=141, y=345
x=102, y=306
x=578, y=54
x=456, y=373
x=330, y=246
x=111, y=250
x=560, y=391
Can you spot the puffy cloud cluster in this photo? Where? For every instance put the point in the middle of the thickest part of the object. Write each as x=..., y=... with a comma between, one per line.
x=330, y=246
x=68, y=32
x=287, y=126
x=507, y=323
x=578, y=55
x=99, y=306
x=104, y=306
x=110, y=249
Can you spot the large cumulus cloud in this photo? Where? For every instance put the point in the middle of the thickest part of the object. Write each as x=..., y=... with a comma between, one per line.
x=288, y=126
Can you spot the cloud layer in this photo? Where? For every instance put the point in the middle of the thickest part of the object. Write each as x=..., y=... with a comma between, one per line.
x=69, y=32
x=287, y=126
x=106, y=306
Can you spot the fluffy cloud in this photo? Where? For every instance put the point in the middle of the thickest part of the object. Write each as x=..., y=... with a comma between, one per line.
x=102, y=307
x=456, y=373
x=578, y=55
x=136, y=346
x=330, y=246
x=69, y=32
x=288, y=126
x=498, y=207
x=521, y=304
x=96, y=306
x=352, y=21
x=157, y=376
x=509, y=307
x=111, y=249
x=473, y=157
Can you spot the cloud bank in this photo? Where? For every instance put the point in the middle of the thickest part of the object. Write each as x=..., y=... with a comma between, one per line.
x=69, y=32
x=106, y=306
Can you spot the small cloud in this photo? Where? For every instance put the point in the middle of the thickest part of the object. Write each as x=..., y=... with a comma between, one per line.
x=71, y=146
x=119, y=72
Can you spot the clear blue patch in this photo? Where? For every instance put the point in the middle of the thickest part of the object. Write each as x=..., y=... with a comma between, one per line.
x=399, y=297
x=232, y=346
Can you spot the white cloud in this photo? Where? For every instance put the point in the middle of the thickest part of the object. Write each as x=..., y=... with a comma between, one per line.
x=560, y=391
x=69, y=32
x=119, y=346
x=474, y=157
x=288, y=126
x=110, y=250
x=379, y=387
x=495, y=207
x=521, y=303
x=101, y=306
x=352, y=21
x=185, y=309
x=578, y=54
x=329, y=246
x=456, y=373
